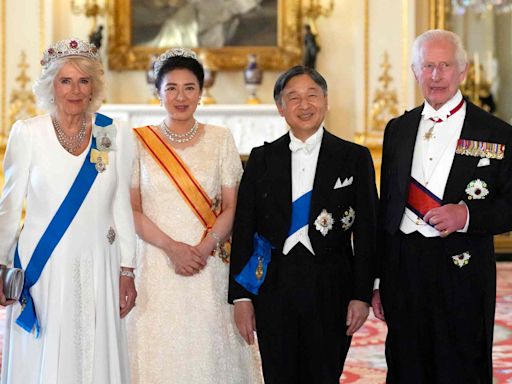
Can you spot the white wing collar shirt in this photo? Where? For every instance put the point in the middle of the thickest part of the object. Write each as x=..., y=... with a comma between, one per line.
x=434, y=152
x=304, y=161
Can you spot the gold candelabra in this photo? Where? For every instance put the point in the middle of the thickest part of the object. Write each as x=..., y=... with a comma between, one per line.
x=316, y=9
x=91, y=9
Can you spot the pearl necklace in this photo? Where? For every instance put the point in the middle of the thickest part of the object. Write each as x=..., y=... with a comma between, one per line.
x=70, y=143
x=180, y=137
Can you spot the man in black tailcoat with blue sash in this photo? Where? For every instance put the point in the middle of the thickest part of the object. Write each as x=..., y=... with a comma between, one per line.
x=307, y=202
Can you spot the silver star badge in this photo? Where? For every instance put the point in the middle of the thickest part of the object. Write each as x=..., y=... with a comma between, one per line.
x=324, y=222
x=111, y=235
x=348, y=218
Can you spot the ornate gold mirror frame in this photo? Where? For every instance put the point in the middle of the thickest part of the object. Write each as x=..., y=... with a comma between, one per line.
x=437, y=18
x=123, y=55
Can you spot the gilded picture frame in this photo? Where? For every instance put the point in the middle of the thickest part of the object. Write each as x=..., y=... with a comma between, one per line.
x=123, y=55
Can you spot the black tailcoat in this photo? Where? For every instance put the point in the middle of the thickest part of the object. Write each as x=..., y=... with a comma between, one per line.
x=264, y=207
x=471, y=289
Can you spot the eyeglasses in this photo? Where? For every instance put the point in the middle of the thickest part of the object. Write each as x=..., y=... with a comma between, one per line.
x=440, y=67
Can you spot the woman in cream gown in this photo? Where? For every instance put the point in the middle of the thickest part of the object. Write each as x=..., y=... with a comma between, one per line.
x=182, y=330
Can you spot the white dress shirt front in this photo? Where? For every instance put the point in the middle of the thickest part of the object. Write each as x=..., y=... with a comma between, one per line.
x=304, y=161
x=433, y=158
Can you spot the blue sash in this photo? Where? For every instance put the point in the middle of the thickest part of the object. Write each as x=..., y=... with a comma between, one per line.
x=258, y=262
x=300, y=212
x=54, y=232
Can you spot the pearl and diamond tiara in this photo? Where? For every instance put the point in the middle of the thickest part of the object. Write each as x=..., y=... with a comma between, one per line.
x=69, y=47
x=173, y=52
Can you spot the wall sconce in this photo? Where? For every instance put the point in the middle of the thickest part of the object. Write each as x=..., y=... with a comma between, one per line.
x=316, y=9
x=90, y=8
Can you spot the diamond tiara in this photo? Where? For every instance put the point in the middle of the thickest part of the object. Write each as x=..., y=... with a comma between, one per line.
x=173, y=52
x=69, y=47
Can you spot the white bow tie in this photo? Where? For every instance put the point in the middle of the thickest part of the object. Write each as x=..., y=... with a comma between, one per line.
x=297, y=145
x=435, y=117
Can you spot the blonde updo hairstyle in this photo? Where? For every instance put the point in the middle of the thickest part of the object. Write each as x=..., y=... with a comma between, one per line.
x=44, y=89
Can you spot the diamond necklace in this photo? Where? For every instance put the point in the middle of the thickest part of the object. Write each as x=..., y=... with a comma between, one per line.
x=180, y=137
x=70, y=143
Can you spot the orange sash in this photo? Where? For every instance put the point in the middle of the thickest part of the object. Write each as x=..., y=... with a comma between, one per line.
x=173, y=166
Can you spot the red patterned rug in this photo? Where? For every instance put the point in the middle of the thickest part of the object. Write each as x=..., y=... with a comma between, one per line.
x=366, y=363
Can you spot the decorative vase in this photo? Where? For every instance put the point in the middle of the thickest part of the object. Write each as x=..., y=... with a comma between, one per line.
x=209, y=80
x=253, y=77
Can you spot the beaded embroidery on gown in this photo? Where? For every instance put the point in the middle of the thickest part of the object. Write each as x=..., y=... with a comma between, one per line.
x=182, y=330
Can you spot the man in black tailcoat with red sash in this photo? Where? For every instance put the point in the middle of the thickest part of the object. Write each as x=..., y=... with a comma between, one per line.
x=446, y=189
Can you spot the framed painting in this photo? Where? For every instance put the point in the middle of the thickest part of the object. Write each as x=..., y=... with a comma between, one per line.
x=226, y=31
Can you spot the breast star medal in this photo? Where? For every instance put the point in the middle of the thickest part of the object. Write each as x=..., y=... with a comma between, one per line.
x=348, y=218
x=324, y=222
x=111, y=234
x=477, y=189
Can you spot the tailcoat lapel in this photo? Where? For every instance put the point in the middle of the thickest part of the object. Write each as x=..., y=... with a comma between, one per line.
x=279, y=166
x=459, y=176
x=405, y=148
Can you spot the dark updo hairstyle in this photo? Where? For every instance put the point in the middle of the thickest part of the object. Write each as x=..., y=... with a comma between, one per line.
x=180, y=62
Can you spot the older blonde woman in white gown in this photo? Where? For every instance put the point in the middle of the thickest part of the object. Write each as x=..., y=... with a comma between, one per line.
x=77, y=245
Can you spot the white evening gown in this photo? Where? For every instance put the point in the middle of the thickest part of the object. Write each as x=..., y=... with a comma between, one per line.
x=182, y=330
x=82, y=339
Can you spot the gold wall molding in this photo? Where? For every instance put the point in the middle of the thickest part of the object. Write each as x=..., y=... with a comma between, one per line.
x=22, y=103
x=42, y=27
x=369, y=136
x=437, y=19
x=3, y=64
x=405, y=54
x=385, y=102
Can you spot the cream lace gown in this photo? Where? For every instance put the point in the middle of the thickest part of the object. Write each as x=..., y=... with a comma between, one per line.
x=182, y=329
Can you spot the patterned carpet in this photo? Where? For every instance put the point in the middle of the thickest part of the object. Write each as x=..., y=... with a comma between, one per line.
x=366, y=364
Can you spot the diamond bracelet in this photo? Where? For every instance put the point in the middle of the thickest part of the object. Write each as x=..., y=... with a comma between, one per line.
x=129, y=274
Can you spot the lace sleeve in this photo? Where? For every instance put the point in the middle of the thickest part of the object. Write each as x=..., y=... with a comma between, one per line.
x=231, y=165
x=136, y=163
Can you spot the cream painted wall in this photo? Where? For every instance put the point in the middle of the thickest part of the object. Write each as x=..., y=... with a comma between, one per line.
x=341, y=60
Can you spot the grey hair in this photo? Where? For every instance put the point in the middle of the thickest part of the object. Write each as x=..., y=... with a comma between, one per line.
x=439, y=34
x=44, y=90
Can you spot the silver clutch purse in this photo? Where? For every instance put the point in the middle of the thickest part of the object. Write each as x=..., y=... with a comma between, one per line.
x=12, y=279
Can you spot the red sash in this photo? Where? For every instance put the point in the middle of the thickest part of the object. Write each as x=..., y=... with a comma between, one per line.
x=420, y=200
